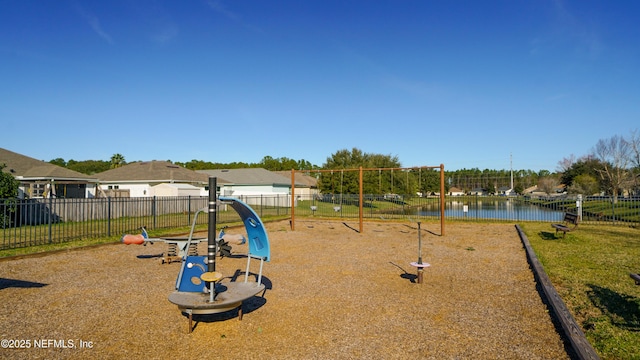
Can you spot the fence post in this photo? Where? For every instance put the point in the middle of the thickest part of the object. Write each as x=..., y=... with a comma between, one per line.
x=50, y=212
x=579, y=207
x=109, y=216
x=189, y=210
x=613, y=209
x=153, y=211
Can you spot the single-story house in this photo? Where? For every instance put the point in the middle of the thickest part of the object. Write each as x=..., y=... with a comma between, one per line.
x=254, y=185
x=506, y=191
x=142, y=179
x=454, y=191
x=249, y=182
x=165, y=189
x=40, y=179
x=306, y=186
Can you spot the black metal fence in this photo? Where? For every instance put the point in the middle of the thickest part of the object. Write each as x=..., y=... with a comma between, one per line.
x=43, y=221
x=32, y=222
x=473, y=208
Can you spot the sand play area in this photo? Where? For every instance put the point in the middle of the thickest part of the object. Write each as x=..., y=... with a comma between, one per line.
x=331, y=293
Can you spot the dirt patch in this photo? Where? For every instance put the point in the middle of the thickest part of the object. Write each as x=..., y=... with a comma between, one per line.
x=332, y=293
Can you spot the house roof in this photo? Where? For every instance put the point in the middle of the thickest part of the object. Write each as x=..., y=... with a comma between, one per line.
x=248, y=176
x=152, y=171
x=26, y=168
x=301, y=178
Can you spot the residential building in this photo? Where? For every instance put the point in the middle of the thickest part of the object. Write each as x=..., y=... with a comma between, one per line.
x=249, y=182
x=151, y=178
x=40, y=179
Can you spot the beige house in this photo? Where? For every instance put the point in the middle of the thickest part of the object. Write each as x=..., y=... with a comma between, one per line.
x=40, y=179
x=306, y=185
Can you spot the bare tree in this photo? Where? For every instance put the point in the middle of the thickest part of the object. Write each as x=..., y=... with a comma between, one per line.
x=634, y=145
x=566, y=163
x=614, y=155
x=548, y=184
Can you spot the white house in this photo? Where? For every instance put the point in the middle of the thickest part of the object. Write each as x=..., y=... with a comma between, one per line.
x=253, y=185
x=506, y=191
x=165, y=189
x=249, y=182
x=140, y=179
x=305, y=185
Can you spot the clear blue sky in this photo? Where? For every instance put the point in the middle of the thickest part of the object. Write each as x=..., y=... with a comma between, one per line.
x=464, y=83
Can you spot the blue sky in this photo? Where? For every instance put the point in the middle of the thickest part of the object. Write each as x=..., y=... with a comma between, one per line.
x=464, y=83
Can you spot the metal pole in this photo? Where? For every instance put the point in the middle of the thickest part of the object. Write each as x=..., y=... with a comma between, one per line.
x=212, y=243
x=154, y=212
x=109, y=216
x=50, y=212
x=419, y=245
x=420, y=268
x=189, y=210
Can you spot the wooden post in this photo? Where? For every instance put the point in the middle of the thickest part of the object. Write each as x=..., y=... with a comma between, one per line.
x=360, y=203
x=442, y=202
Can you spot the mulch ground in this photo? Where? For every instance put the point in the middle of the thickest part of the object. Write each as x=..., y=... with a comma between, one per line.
x=332, y=293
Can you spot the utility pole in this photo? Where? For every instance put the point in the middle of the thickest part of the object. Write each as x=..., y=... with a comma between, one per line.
x=511, y=165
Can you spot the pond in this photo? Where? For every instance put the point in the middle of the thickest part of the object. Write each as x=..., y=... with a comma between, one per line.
x=501, y=209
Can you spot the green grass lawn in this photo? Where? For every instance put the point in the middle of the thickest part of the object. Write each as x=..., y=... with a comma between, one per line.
x=590, y=270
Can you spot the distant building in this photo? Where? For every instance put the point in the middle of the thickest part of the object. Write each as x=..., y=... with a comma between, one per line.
x=306, y=186
x=249, y=182
x=40, y=179
x=150, y=178
x=506, y=191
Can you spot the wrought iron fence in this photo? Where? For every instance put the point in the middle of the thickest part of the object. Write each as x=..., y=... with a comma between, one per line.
x=471, y=208
x=43, y=221
x=32, y=222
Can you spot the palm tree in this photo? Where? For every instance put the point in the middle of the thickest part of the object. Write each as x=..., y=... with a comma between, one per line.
x=117, y=160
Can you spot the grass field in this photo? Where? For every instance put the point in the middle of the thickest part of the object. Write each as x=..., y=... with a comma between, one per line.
x=590, y=270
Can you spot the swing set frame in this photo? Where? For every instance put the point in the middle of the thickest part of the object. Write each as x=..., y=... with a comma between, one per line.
x=360, y=181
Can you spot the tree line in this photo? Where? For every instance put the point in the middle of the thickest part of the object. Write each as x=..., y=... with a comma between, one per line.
x=90, y=167
x=612, y=167
x=407, y=181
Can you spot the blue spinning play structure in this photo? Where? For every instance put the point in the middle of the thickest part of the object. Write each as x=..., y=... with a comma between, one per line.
x=195, y=266
x=199, y=289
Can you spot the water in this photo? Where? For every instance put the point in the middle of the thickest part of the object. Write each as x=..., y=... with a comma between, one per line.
x=507, y=209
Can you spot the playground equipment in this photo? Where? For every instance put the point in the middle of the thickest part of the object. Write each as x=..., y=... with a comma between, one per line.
x=360, y=170
x=178, y=247
x=199, y=286
x=419, y=264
